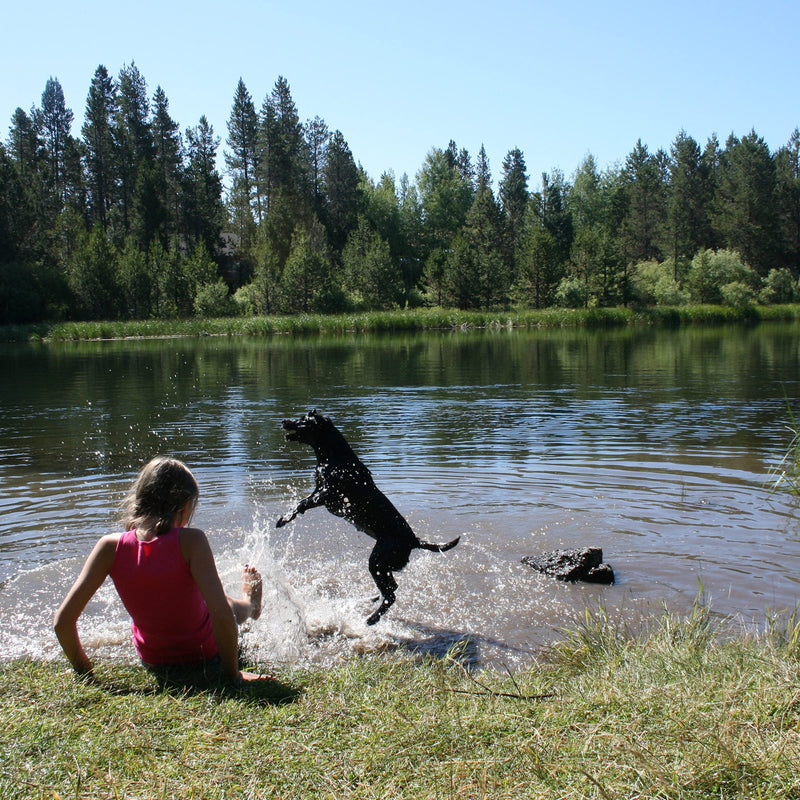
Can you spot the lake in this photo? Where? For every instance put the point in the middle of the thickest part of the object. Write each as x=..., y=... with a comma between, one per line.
x=657, y=445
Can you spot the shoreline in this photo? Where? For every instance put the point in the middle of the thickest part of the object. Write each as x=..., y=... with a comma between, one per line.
x=395, y=321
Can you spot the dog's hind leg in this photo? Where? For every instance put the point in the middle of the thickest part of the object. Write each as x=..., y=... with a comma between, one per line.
x=384, y=579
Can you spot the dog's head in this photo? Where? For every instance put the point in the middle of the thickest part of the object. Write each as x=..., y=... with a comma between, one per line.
x=306, y=429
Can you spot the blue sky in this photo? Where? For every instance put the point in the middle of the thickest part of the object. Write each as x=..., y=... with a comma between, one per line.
x=558, y=80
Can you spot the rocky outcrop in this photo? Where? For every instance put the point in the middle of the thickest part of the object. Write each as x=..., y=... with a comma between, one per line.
x=573, y=565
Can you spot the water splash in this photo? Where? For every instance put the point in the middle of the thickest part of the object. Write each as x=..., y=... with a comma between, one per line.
x=309, y=612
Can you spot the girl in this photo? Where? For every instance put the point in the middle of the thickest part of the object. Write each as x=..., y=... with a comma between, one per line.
x=166, y=578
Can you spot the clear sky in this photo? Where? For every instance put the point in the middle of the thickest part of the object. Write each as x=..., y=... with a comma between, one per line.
x=557, y=79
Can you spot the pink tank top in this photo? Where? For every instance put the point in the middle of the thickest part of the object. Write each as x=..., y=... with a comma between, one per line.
x=169, y=618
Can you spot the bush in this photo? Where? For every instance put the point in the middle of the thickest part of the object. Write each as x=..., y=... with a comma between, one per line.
x=572, y=293
x=667, y=292
x=779, y=287
x=737, y=295
x=246, y=299
x=214, y=300
x=654, y=283
x=643, y=279
x=713, y=269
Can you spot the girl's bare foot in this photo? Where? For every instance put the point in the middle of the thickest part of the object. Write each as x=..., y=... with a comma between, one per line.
x=251, y=590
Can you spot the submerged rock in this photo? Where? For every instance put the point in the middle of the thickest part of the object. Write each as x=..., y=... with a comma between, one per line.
x=573, y=565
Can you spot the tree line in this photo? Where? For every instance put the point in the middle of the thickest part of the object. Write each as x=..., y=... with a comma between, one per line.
x=133, y=219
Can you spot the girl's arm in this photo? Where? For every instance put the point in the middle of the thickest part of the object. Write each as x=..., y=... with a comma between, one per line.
x=94, y=572
x=197, y=552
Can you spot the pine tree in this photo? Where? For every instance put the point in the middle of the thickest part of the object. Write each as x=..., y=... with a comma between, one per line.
x=643, y=224
x=93, y=277
x=150, y=215
x=241, y=222
x=136, y=290
x=787, y=167
x=317, y=137
x=29, y=218
x=475, y=274
x=199, y=272
x=342, y=192
x=203, y=211
x=243, y=158
x=446, y=197
x=370, y=274
x=585, y=196
x=610, y=285
x=98, y=142
x=168, y=164
x=306, y=276
x=54, y=123
x=555, y=217
x=513, y=194
x=382, y=210
x=24, y=146
x=283, y=155
x=689, y=201
x=170, y=294
x=538, y=274
x=134, y=142
x=599, y=206
x=265, y=286
x=746, y=215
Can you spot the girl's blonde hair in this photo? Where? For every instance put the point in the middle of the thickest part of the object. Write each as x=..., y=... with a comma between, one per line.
x=162, y=489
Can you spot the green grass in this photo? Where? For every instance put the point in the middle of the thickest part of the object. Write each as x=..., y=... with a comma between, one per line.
x=679, y=711
x=787, y=473
x=410, y=320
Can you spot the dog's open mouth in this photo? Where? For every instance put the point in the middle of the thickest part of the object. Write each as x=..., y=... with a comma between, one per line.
x=291, y=426
x=301, y=428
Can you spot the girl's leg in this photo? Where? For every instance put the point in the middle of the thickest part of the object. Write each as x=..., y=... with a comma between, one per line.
x=249, y=606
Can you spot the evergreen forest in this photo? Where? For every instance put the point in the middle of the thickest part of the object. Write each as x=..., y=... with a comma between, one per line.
x=132, y=218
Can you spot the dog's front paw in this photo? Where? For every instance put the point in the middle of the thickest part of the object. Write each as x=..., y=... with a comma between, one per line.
x=373, y=618
x=283, y=520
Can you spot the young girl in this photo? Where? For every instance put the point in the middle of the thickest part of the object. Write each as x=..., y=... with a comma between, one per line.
x=165, y=575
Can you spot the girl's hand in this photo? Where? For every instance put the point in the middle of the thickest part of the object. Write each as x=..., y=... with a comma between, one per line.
x=247, y=677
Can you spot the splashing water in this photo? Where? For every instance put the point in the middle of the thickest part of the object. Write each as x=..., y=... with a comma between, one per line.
x=309, y=612
x=316, y=595
x=659, y=527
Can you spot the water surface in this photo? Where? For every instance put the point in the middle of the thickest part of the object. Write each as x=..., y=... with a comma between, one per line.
x=656, y=445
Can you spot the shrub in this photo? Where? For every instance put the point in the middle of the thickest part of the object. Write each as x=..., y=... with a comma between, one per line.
x=214, y=300
x=248, y=300
x=667, y=292
x=737, y=294
x=653, y=283
x=572, y=293
x=643, y=279
x=779, y=287
x=713, y=269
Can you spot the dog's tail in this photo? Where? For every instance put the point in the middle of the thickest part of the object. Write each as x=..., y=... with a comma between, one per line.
x=439, y=548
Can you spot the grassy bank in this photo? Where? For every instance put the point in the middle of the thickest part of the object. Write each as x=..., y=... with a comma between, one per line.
x=678, y=712
x=411, y=320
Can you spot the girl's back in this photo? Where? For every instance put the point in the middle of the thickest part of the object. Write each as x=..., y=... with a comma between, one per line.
x=169, y=618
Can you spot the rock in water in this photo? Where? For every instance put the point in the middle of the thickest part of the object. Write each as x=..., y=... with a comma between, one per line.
x=573, y=565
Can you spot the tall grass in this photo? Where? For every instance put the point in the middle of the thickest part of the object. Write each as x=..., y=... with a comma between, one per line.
x=677, y=710
x=401, y=320
x=787, y=473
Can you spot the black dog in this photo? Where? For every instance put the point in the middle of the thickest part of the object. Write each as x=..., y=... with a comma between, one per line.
x=345, y=487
